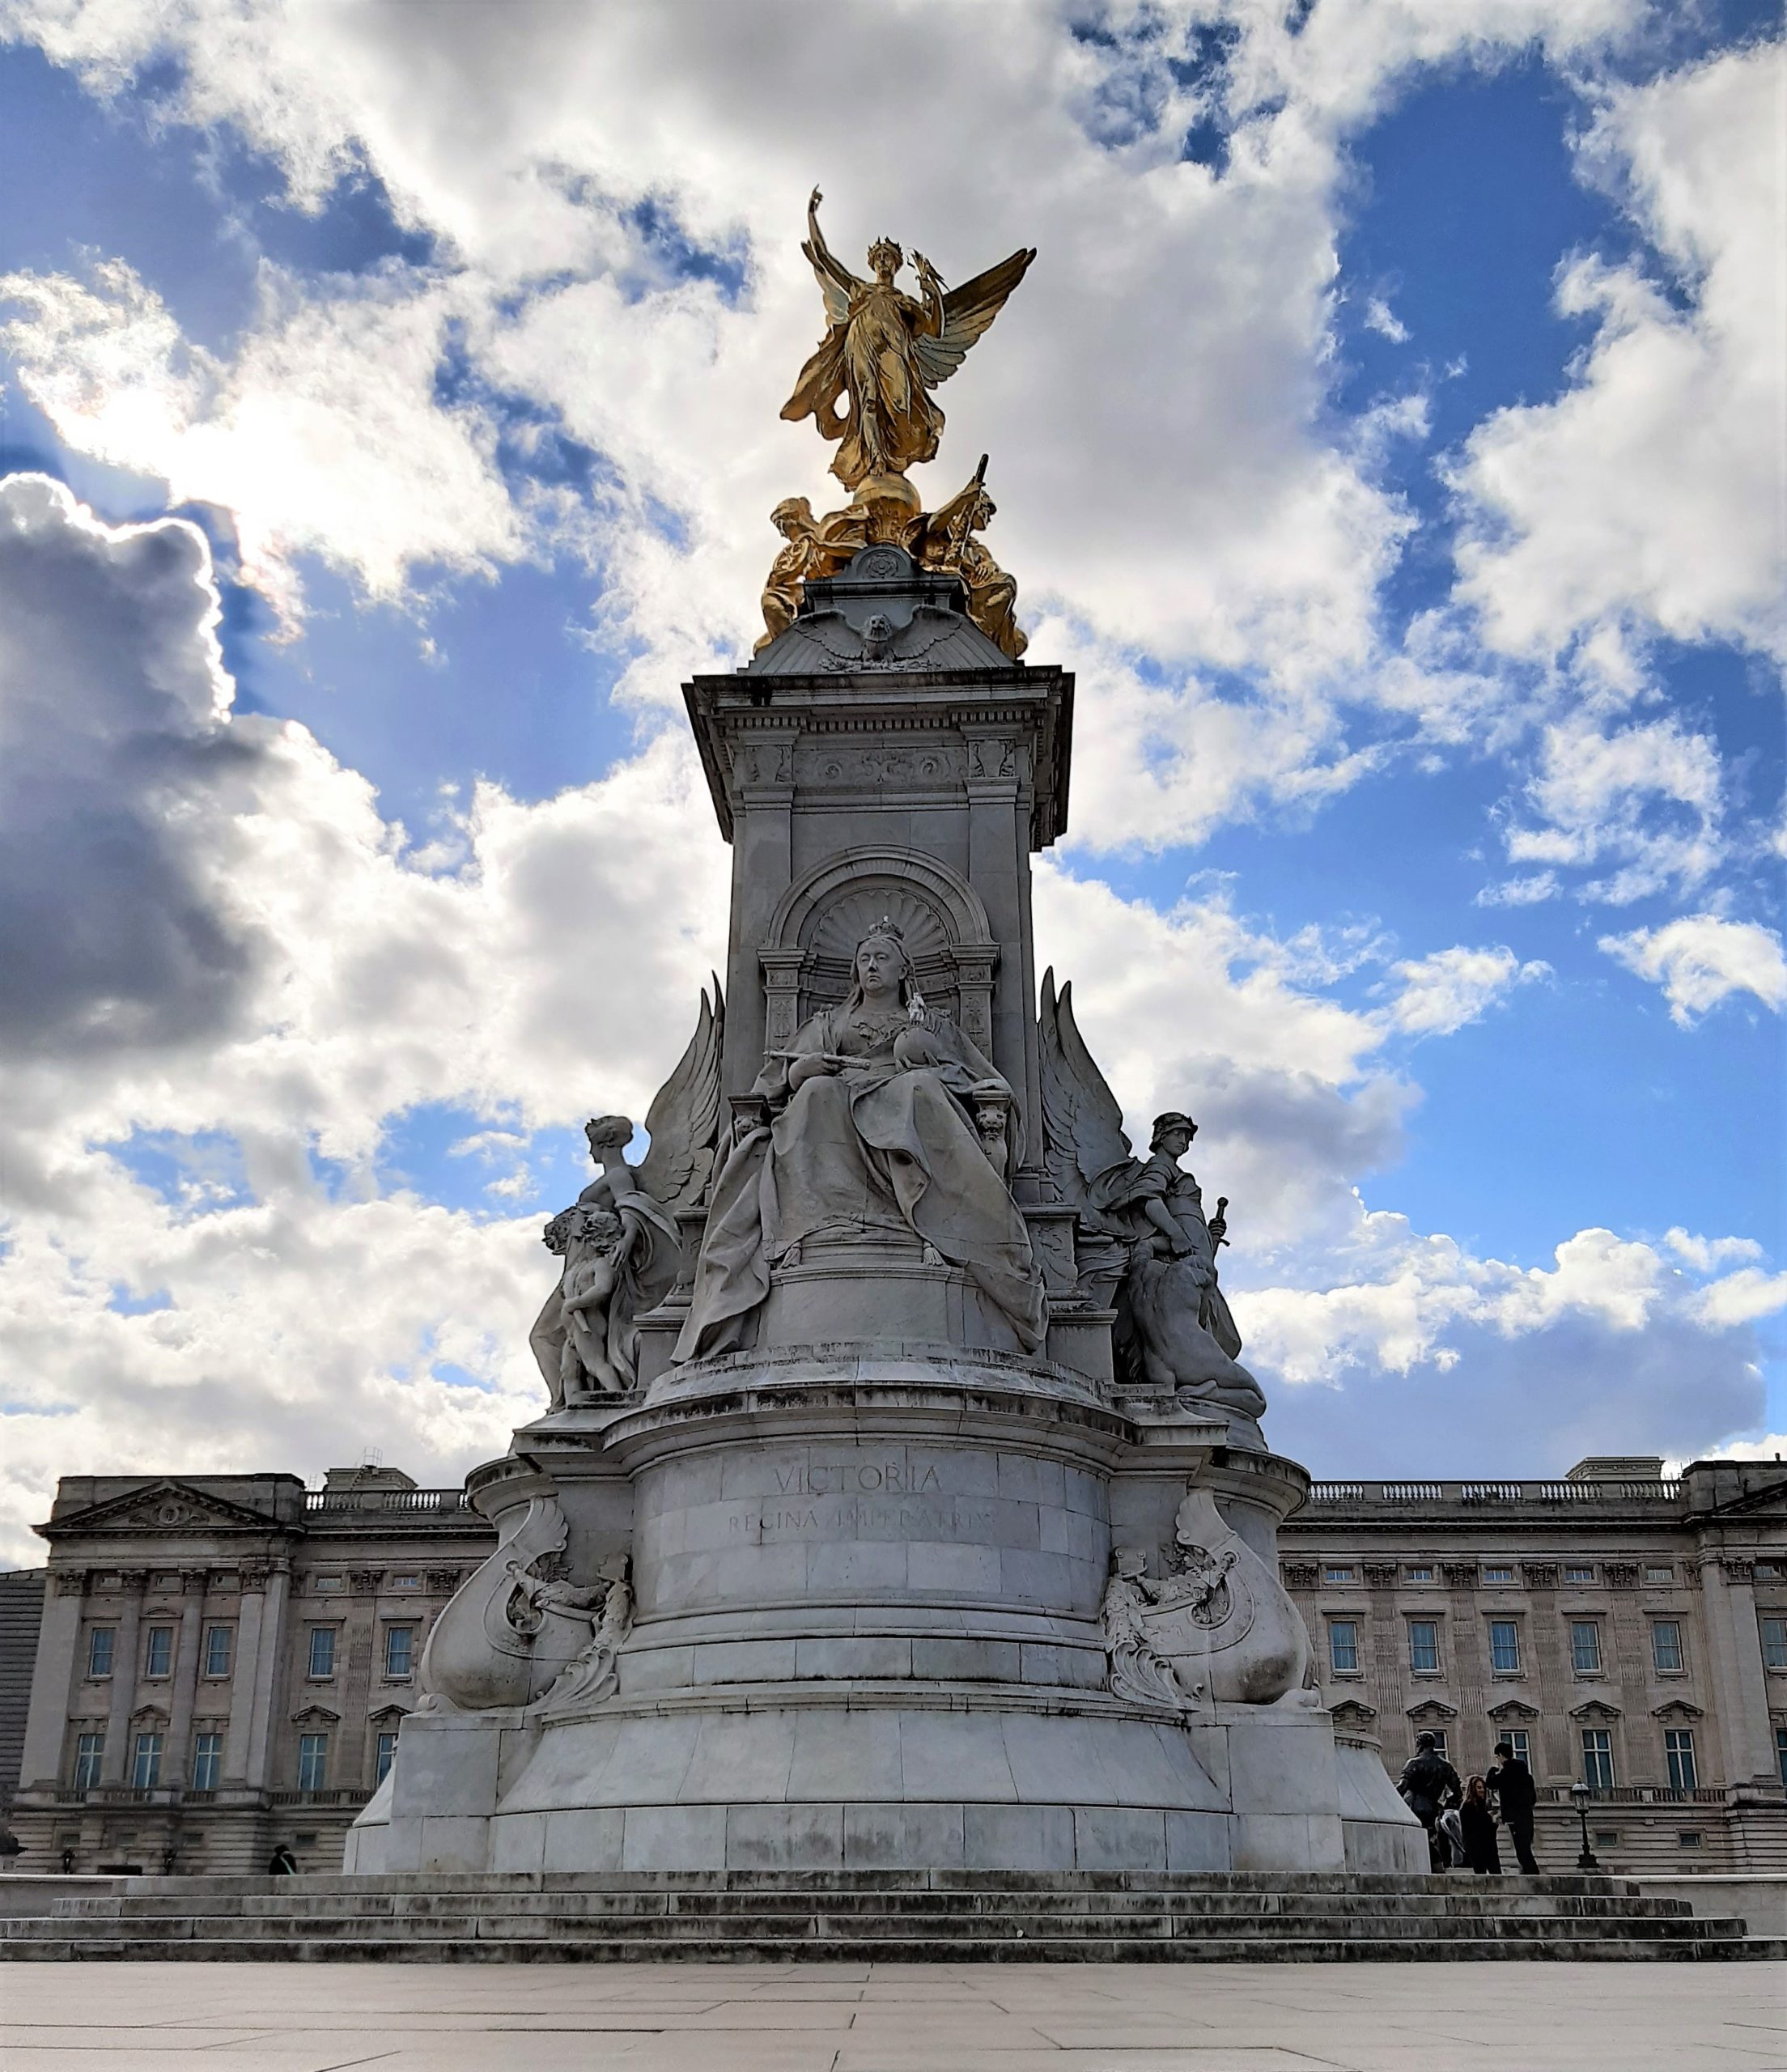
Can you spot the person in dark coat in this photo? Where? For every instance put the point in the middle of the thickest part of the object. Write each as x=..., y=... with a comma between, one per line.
x=284, y=1864
x=1478, y=1819
x=1516, y=1795
x=1428, y=1783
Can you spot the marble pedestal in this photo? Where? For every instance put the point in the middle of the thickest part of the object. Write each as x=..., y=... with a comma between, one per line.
x=867, y=1635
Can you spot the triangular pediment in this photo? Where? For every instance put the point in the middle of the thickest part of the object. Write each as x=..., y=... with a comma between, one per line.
x=1514, y=1708
x=1594, y=1710
x=316, y=1716
x=1351, y=1713
x=1676, y=1708
x=166, y=1506
x=1432, y=1709
x=388, y=1716
x=1772, y=1498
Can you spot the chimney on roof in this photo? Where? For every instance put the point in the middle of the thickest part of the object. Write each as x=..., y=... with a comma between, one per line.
x=1618, y=1467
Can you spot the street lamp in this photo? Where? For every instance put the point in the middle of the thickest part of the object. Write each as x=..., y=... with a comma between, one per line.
x=1581, y=1794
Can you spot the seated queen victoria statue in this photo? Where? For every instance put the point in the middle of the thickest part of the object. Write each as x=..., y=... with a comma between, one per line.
x=876, y=1132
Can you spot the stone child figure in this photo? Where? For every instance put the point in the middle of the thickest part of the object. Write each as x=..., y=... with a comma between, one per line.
x=621, y=1253
x=871, y=1135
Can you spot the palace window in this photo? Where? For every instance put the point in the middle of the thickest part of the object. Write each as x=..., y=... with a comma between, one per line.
x=1585, y=1647
x=387, y=1750
x=406, y=1582
x=322, y=1651
x=1334, y=1573
x=1580, y=1572
x=400, y=1648
x=1419, y=1574
x=158, y=1654
x=1505, y=1647
x=1774, y=1644
x=1679, y=1753
x=1689, y=1838
x=1659, y=1575
x=313, y=1761
x=1423, y=1647
x=207, y=1761
x=217, y=1651
x=1497, y=1572
x=1597, y=1758
x=146, y=1766
x=101, y=1643
x=1516, y=1738
x=1665, y=1646
x=90, y=1752
x=1781, y=1752
x=1344, y=1646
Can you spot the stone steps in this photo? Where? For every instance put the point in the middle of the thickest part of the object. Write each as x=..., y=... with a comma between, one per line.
x=910, y=1918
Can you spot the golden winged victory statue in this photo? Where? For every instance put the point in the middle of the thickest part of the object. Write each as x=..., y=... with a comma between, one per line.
x=868, y=389
x=883, y=353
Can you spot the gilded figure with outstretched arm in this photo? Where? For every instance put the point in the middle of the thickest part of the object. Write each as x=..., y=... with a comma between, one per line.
x=868, y=387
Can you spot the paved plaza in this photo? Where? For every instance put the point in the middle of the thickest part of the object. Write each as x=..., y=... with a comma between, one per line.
x=874, y=2018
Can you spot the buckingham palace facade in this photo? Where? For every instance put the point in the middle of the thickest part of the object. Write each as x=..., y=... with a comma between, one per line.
x=224, y=1661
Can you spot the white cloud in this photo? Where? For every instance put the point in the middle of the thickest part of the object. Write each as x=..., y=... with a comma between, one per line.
x=323, y=435
x=1701, y=959
x=1441, y=992
x=1533, y=891
x=1704, y=1255
x=1744, y=1297
x=234, y=963
x=1645, y=797
x=1650, y=490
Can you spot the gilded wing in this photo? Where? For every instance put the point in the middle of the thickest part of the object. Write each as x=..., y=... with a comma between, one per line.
x=683, y=1121
x=1082, y=1124
x=967, y=310
x=837, y=283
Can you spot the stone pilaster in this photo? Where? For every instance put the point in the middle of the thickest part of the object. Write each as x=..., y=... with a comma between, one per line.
x=175, y=1767
x=124, y=1682
x=54, y=1677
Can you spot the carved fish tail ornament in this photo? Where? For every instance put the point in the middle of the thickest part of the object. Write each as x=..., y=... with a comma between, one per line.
x=1221, y=1616
x=481, y=1653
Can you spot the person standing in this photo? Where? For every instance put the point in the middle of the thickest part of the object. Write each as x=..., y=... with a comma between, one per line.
x=1516, y=1795
x=1478, y=1821
x=1428, y=1783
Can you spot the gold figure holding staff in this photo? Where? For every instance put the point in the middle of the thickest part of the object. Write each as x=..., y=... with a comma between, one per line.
x=883, y=353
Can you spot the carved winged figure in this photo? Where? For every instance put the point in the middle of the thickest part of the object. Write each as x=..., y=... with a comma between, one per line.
x=1143, y=1241
x=884, y=352
x=619, y=1241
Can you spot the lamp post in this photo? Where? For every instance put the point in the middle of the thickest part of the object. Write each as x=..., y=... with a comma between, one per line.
x=1580, y=1795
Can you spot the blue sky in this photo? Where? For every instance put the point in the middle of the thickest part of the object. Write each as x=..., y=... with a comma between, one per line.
x=1336, y=448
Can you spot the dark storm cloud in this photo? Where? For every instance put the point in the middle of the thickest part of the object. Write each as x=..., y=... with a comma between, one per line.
x=116, y=768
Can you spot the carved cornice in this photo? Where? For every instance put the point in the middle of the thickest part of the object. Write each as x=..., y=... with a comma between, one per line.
x=1539, y=1575
x=68, y=1582
x=366, y=1582
x=1739, y=1568
x=1352, y=1712
x=443, y=1583
x=1379, y=1575
x=1460, y=1575
x=1621, y=1575
x=193, y=1582
x=1299, y=1575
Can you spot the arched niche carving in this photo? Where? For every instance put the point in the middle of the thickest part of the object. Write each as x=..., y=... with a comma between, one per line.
x=820, y=918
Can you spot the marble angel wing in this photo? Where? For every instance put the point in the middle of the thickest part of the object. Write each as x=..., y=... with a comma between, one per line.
x=967, y=310
x=683, y=1123
x=1082, y=1124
